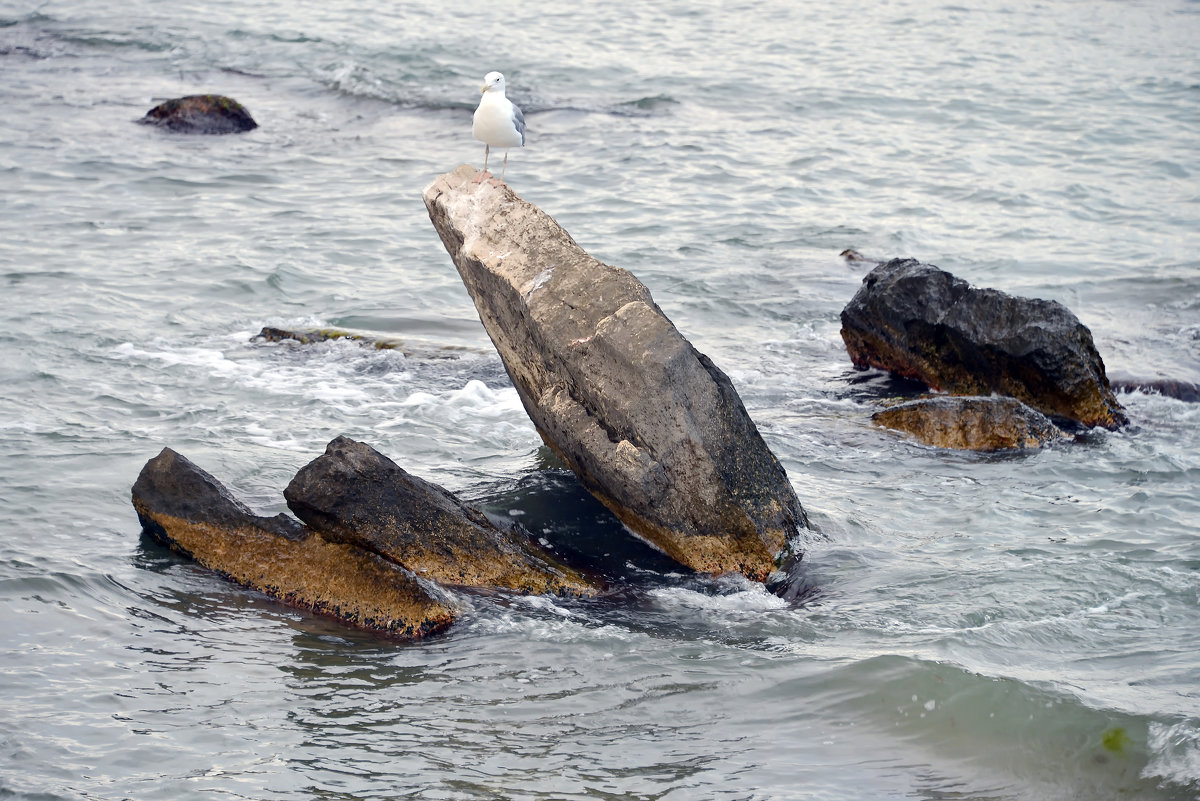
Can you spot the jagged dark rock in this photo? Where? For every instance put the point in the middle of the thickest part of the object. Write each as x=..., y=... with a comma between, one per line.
x=201, y=114
x=921, y=322
x=355, y=495
x=971, y=423
x=186, y=509
x=650, y=426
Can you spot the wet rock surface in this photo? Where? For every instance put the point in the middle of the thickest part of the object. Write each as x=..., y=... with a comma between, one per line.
x=314, y=335
x=355, y=495
x=186, y=509
x=201, y=114
x=1167, y=387
x=923, y=323
x=971, y=423
x=651, y=427
x=852, y=256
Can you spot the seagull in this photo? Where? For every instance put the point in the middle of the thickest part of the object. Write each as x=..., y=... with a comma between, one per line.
x=497, y=121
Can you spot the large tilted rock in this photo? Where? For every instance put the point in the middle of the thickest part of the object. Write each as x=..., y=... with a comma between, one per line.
x=970, y=422
x=921, y=322
x=185, y=508
x=354, y=494
x=651, y=427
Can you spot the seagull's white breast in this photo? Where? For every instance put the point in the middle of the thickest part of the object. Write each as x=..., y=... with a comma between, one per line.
x=494, y=121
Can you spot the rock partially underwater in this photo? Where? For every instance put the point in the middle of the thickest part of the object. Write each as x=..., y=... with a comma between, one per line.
x=378, y=546
x=650, y=426
x=201, y=114
x=921, y=322
x=1184, y=391
x=356, y=495
x=183, y=507
x=971, y=423
x=311, y=336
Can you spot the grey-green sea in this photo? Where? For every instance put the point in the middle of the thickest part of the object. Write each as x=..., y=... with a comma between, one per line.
x=1011, y=626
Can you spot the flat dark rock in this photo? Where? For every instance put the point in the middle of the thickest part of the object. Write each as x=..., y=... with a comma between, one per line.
x=651, y=427
x=314, y=335
x=971, y=423
x=201, y=114
x=1167, y=387
x=186, y=509
x=356, y=495
x=921, y=322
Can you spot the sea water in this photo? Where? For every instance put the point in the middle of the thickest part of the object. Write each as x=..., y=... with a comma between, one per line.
x=1010, y=626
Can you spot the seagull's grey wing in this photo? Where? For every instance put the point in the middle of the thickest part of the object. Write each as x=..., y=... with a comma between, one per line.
x=519, y=123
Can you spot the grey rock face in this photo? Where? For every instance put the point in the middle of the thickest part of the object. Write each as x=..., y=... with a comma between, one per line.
x=652, y=427
x=921, y=322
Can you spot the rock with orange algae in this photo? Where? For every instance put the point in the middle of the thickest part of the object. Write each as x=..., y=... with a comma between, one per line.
x=356, y=495
x=186, y=509
x=971, y=423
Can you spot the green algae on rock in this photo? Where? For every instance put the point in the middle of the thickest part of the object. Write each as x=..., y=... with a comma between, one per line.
x=310, y=336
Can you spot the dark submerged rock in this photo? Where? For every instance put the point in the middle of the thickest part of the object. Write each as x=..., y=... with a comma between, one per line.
x=1167, y=387
x=651, y=427
x=186, y=509
x=313, y=335
x=971, y=423
x=201, y=114
x=356, y=495
x=852, y=256
x=414, y=349
x=921, y=322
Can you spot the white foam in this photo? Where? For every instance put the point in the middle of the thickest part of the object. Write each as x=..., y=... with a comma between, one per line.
x=749, y=598
x=545, y=604
x=474, y=397
x=213, y=360
x=1175, y=753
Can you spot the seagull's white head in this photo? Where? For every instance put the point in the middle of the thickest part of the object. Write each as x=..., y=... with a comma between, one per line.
x=493, y=82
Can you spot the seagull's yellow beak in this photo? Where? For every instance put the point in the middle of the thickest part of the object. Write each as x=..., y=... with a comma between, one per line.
x=483, y=89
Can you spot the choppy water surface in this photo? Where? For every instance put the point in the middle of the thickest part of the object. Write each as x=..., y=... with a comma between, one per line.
x=978, y=627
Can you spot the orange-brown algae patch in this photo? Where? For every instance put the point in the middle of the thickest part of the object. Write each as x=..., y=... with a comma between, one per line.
x=347, y=583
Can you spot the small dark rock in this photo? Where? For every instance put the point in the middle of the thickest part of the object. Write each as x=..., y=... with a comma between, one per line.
x=311, y=336
x=201, y=114
x=921, y=322
x=971, y=423
x=852, y=256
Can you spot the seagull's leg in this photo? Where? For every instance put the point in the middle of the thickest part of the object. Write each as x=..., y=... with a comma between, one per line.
x=486, y=149
x=502, y=169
